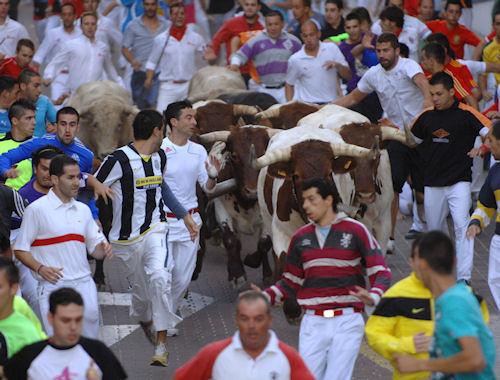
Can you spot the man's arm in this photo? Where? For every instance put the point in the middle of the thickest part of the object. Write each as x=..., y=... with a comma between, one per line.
x=351, y=99
x=44, y=49
x=57, y=63
x=13, y=156
x=421, y=82
x=153, y=60
x=289, y=92
x=471, y=101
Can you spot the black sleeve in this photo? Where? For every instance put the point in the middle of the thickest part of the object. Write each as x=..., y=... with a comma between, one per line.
x=17, y=366
x=418, y=127
x=104, y=358
x=171, y=201
x=475, y=123
x=18, y=203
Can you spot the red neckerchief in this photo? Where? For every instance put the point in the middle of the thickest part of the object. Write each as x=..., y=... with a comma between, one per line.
x=177, y=32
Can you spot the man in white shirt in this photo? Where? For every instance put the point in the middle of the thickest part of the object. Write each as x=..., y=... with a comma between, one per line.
x=186, y=162
x=312, y=71
x=86, y=58
x=51, y=45
x=403, y=91
x=55, y=235
x=107, y=31
x=11, y=31
x=174, y=54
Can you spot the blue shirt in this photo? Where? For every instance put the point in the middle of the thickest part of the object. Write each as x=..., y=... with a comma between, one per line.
x=76, y=150
x=45, y=111
x=458, y=315
x=4, y=121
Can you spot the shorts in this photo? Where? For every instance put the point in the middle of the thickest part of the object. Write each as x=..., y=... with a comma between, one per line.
x=405, y=162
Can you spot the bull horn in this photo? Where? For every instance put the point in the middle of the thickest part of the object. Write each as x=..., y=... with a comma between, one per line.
x=241, y=109
x=390, y=133
x=271, y=131
x=270, y=112
x=222, y=188
x=349, y=150
x=214, y=136
x=278, y=155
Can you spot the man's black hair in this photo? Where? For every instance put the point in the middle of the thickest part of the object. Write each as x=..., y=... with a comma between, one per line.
x=275, y=14
x=338, y=3
x=435, y=51
x=7, y=83
x=46, y=152
x=58, y=164
x=324, y=187
x=19, y=108
x=68, y=111
x=145, y=122
x=437, y=249
x=174, y=110
x=393, y=14
x=442, y=78
x=11, y=271
x=64, y=297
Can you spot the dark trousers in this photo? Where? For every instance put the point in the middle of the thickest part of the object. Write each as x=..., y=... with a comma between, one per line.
x=141, y=96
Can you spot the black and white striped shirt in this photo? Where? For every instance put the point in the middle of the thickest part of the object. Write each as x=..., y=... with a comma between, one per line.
x=136, y=181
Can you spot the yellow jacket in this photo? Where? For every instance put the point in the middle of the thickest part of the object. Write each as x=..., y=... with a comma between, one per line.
x=406, y=309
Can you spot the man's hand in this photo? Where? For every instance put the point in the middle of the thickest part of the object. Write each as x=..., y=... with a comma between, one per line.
x=363, y=295
x=213, y=162
x=255, y=287
x=60, y=100
x=209, y=54
x=11, y=173
x=50, y=128
x=92, y=373
x=46, y=82
x=102, y=191
x=191, y=226
x=234, y=68
x=136, y=65
x=407, y=364
x=366, y=41
x=328, y=65
x=421, y=342
x=385, y=122
x=106, y=249
x=473, y=231
x=148, y=83
x=50, y=274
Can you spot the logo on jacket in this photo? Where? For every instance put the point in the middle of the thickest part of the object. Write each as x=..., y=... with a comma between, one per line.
x=441, y=135
x=305, y=243
x=288, y=44
x=345, y=241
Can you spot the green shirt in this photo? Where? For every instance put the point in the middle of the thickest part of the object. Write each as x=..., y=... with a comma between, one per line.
x=16, y=331
x=21, y=306
x=24, y=167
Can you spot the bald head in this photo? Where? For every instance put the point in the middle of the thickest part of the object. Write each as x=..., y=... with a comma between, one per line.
x=310, y=35
x=309, y=26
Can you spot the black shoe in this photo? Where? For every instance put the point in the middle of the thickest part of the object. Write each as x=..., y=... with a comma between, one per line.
x=412, y=234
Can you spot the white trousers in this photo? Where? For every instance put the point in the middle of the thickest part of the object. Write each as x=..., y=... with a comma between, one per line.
x=170, y=92
x=455, y=199
x=145, y=268
x=330, y=346
x=494, y=269
x=277, y=93
x=87, y=289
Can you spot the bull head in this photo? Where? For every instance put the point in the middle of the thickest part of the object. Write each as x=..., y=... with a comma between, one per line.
x=365, y=175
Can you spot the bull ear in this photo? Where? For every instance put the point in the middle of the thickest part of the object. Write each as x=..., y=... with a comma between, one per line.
x=343, y=164
x=280, y=170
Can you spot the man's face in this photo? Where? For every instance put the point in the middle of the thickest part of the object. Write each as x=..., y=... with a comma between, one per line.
x=67, y=322
x=310, y=36
x=494, y=144
x=397, y=3
x=388, y=26
x=150, y=8
x=426, y=9
x=42, y=175
x=186, y=124
x=253, y=323
x=67, y=128
x=178, y=16
x=274, y=26
x=441, y=97
x=90, y=5
x=26, y=123
x=89, y=26
x=452, y=13
x=426, y=62
x=314, y=205
x=496, y=26
x=7, y=292
x=68, y=16
x=33, y=89
x=69, y=182
x=353, y=28
x=332, y=14
x=298, y=9
x=24, y=56
x=250, y=8
x=386, y=54
x=4, y=8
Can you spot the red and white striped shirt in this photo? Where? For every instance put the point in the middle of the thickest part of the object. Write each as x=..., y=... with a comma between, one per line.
x=320, y=271
x=59, y=234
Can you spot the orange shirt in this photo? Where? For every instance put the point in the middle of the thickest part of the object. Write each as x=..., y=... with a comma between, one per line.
x=458, y=36
x=463, y=83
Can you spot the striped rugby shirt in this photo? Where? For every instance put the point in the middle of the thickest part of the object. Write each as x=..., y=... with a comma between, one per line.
x=321, y=275
x=269, y=57
x=137, y=204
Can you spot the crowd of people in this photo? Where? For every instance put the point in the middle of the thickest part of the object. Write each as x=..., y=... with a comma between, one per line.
x=414, y=65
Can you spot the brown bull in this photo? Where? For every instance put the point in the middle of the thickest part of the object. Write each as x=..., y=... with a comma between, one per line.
x=286, y=116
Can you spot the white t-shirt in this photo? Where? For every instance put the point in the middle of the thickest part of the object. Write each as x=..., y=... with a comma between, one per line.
x=399, y=96
x=311, y=80
x=11, y=32
x=409, y=22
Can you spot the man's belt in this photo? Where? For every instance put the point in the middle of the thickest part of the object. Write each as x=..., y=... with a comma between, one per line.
x=278, y=86
x=181, y=81
x=192, y=211
x=330, y=313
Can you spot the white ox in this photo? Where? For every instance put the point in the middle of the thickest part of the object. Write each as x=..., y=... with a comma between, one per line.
x=212, y=81
x=106, y=116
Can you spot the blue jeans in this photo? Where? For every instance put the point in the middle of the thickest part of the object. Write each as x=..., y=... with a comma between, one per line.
x=142, y=97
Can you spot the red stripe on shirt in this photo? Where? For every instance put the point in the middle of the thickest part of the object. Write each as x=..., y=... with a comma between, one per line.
x=58, y=240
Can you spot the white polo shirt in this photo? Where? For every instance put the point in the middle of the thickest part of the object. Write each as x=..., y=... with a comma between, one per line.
x=409, y=22
x=185, y=167
x=399, y=96
x=59, y=235
x=234, y=363
x=312, y=82
x=11, y=32
x=178, y=59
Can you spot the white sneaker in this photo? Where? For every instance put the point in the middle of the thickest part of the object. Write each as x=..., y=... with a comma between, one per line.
x=391, y=247
x=172, y=332
x=160, y=357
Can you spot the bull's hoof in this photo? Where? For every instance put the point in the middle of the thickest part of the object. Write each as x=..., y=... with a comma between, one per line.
x=239, y=282
x=253, y=260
